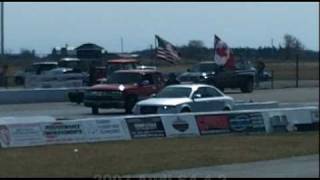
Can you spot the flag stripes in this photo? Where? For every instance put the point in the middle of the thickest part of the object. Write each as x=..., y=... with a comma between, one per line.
x=166, y=51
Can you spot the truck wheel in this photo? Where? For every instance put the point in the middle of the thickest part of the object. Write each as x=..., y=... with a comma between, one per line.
x=95, y=110
x=130, y=102
x=247, y=86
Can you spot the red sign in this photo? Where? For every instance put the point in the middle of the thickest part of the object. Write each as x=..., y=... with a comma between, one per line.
x=212, y=124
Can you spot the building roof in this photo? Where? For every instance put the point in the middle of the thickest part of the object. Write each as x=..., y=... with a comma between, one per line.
x=89, y=46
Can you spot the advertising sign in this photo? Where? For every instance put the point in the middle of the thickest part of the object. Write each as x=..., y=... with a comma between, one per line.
x=16, y=135
x=105, y=129
x=64, y=132
x=278, y=122
x=184, y=125
x=145, y=127
x=315, y=116
x=245, y=122
x=212, y=124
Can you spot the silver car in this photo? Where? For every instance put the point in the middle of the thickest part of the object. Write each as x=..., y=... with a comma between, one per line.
x=185, y=98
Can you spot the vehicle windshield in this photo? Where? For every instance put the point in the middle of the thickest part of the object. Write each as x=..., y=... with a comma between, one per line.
x=174, y=92
x=124, y=78
x=114, y=67
x=207, y=67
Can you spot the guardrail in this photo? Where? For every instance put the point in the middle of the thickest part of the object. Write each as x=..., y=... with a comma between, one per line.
x=35, y=132
x=18, y=96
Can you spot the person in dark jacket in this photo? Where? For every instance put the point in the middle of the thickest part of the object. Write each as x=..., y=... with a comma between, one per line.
x=92, y=75
x=260, y=70
x=172, y=80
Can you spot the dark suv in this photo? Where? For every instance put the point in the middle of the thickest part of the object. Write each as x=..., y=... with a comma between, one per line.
x=123, y=89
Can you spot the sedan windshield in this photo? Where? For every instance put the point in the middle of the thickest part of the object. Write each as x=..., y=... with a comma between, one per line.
x=174, y=92
x=124, y=78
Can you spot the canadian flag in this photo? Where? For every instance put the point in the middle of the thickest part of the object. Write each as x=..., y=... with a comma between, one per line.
x=222, y=54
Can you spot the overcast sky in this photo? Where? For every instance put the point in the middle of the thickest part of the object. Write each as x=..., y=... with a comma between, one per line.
x=43, y=25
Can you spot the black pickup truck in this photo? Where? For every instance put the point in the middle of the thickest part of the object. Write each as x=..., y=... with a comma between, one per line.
x=208, y=72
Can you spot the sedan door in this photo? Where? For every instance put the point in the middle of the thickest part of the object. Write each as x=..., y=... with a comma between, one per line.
x=200, y=102
x=216, y=100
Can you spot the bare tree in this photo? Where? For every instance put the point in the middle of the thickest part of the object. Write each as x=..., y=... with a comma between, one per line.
x=292, y=45
x=196, y=44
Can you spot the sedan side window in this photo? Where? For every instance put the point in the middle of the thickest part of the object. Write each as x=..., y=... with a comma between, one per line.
x=211, y=92
x=200, y=93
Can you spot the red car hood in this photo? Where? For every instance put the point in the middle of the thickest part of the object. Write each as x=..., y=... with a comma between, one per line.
x=112, y=87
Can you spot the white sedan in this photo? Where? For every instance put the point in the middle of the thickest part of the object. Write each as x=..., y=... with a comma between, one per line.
x=185, y=98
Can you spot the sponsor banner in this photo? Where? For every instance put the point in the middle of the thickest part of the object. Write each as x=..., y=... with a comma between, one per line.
x=180, y=125
x=145, y=127
x=246, y=122
x=279, y=122
x=212, y=124
x=64, y=132
x=299, y=116
x=16, y=135
x=315, y=116
x=105, y=130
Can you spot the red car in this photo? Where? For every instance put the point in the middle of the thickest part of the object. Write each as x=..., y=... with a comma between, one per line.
x=123, y=89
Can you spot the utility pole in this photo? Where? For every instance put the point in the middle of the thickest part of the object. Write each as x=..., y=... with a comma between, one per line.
x=272, y=48
x=297, y=70
x=121, y=45
x=2, y=29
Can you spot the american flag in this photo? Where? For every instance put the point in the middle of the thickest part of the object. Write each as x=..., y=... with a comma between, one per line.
x=166, y=51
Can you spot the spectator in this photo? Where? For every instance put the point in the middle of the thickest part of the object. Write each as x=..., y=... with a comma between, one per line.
x=92, y=75
x=4, y=76
x=172, y=80
x=259, y=74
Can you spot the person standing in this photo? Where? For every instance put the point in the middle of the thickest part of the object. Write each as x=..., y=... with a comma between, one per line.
x=172, y=80
x=259, y=74
x=92, y=75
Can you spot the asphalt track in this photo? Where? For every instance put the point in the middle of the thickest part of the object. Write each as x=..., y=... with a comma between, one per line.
x=294, y=167
x=289, y=97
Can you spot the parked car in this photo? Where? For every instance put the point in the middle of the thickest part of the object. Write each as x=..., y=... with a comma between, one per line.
x=185, y=98
x=123, y=89
x=35, y=69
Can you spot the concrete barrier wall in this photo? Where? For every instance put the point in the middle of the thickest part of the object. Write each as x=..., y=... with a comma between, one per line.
x=35, y=132
x=17, y=96
x=255, y=105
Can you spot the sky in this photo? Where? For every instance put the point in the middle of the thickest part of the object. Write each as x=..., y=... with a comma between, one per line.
x=44, y=25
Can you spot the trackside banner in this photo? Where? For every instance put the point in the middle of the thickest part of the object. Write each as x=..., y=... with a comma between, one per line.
x=105, y=130
x=20, y=132
x=145, y=127
x=15, y=135
x=180, y=125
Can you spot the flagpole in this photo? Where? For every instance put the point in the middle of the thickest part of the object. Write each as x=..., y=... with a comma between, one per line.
x=214, y=48
x=155, y=51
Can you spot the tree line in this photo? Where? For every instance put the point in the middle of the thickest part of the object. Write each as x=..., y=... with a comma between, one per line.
x=195, y=50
